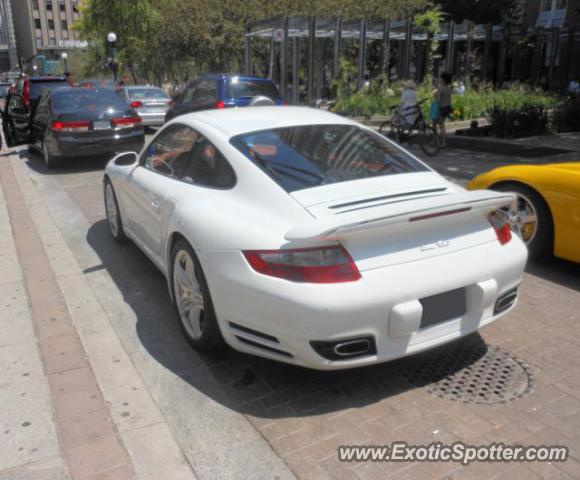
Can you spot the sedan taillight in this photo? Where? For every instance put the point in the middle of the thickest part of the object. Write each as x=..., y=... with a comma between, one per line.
x=305, y=265
x=126, y=122
x=78, y=126
x=136, y=104
x=501, y=226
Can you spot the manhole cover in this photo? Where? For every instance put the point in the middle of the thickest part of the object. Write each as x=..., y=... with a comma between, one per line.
x=470, y=371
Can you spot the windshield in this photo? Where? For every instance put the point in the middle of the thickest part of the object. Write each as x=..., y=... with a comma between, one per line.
x=86, y=99
x=147, y=93
x=307, y=156
x=36, y=88
x=253, y=88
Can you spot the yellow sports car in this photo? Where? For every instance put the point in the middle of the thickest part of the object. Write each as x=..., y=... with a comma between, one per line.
x=546, y=213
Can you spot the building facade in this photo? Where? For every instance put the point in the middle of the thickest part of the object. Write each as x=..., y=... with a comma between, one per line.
x=43, y=29
x=8, y=54
x=552, y=13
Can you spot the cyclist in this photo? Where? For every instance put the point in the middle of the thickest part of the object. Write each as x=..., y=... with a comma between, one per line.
x=409, y=100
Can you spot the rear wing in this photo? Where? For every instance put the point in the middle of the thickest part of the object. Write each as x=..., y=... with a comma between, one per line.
x=400, y=212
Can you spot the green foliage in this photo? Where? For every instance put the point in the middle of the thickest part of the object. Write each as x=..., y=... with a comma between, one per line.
x=514, y=111
x=478, y=11
x=175, y=39
x=430, y=21
x=365, y=105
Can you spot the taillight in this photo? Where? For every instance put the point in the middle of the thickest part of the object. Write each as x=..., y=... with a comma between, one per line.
x=126, y=122
x=305, y=265
x=78, y=126
x=26, y=93
x=136, y=104
x=501, y=226
x=220, y=104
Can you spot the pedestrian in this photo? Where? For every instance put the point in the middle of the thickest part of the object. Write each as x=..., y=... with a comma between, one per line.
x=443, y=99
x=409, y=99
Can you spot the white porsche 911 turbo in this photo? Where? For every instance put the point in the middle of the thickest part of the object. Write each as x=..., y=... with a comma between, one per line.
x=302, y=236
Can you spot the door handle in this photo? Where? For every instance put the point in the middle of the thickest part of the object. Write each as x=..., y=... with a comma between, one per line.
x=155, y=203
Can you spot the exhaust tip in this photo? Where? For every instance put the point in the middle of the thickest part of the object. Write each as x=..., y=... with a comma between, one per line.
x=505, y=301
x=345, y=349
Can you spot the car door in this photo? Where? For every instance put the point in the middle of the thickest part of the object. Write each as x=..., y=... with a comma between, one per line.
x=147, y=201
x=16, y=121
x=40, y=119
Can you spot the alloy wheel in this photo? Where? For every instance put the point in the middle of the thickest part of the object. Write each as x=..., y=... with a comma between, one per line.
x=523, y=218
x=188, y=295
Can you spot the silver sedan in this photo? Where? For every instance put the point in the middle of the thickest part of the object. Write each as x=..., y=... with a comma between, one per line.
x=151, y=103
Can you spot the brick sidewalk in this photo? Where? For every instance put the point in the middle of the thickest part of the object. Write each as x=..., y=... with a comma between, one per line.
x=87, y=436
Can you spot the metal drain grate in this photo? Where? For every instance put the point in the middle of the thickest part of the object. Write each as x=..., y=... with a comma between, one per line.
x=469, y=371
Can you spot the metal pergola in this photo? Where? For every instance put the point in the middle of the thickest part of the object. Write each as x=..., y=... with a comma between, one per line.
x=400, y=34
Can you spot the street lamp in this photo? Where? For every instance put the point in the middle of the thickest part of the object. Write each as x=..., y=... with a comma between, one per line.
x=112, y=39
x=64, y=56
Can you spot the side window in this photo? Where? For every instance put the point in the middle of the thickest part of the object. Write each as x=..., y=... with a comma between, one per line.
x=16, y=104
x=208, y=90
x=191, y=93
x=170, y=153
x=182, y=153
x=209, y=167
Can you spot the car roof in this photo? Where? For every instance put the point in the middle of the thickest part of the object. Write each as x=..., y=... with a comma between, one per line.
x=48, y=79
x=235, y=121
x=78, y=89
x=225, y=76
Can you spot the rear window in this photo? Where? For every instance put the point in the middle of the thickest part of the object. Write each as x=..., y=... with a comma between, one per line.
x=84, y=99
x=36, y=88
x=308, y=156
x=253, y=88
x=147, y=93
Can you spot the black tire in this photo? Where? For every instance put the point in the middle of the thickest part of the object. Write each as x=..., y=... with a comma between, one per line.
x=113, y=214
x=50, y=160
x=211, y=337
x=426, y=138
x=390, y=130
x=542, y=242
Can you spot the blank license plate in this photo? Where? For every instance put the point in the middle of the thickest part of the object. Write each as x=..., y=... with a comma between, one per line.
x=442, y=307
x=101, y=125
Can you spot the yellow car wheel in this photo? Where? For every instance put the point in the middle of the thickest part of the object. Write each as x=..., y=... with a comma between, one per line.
x=530, y=218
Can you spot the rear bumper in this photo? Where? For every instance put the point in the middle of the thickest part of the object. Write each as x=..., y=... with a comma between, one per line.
x=382, y=305
x=152, y=119
x=72, y=147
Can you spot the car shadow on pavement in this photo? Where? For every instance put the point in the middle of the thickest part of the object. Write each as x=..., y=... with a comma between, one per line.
x=245, y=383
x=556, y=270
x=35, y=161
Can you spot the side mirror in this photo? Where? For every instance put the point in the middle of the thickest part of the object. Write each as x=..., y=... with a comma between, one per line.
x=126, y=159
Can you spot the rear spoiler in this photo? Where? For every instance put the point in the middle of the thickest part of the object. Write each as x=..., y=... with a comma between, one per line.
x=400, y=212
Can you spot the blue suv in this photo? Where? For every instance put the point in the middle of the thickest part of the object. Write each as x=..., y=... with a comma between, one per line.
x=223, y=91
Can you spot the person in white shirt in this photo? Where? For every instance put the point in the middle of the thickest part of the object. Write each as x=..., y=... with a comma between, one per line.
x=409, y=99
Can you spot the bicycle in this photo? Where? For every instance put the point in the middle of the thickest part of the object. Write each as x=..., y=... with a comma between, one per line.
x=423, y=133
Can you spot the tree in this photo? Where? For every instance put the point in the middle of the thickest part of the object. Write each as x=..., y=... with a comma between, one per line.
x=430, y=22
x=179, y=38
x=477, y=11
